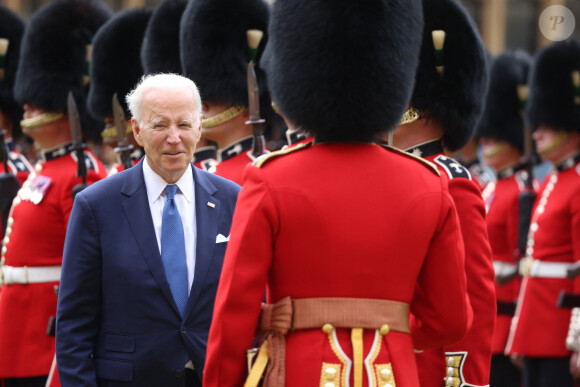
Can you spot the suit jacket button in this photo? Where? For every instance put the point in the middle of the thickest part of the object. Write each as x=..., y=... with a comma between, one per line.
x=179, y=374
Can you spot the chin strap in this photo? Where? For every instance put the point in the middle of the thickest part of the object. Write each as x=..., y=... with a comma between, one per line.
x=224, y=116
x=43, y=119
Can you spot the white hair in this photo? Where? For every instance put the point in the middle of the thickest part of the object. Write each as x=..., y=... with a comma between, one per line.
x=163, y=81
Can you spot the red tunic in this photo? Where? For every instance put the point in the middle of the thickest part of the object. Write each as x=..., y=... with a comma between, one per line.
x=205, y=158
x=539, y=328
x=502, y=203
x=36, y=238
x=233, y=159
x=339, y=220
x=20, y=167
x=472, y=355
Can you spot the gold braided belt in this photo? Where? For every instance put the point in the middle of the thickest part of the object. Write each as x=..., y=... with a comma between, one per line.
x=312, y=313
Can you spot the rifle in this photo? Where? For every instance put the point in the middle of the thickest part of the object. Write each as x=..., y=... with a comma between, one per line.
x=528, y=196
x=123, y=148
x=573, y=271
x=258, y=124
x=567, y=300
x=77, y=140
x=9, y=184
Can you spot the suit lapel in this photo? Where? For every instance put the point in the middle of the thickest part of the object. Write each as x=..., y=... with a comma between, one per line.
x=138, y=215
x=207, y=209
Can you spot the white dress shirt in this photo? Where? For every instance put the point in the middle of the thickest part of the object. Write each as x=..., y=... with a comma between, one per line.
x=185, y=201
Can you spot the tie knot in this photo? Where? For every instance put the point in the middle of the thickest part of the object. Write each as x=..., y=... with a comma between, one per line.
x=170, y=191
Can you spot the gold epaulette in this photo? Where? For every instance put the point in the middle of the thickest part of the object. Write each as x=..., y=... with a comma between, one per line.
x=424, y=162
x=260, y=161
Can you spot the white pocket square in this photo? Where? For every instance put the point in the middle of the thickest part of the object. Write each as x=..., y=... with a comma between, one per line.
x=221, y=239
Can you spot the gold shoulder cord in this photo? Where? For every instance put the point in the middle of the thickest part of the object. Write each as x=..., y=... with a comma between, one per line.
x=259, y=367
x=224, y=116
x=260, y=161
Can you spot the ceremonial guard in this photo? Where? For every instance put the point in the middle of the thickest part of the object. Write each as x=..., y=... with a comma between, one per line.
x=446, y=104
x=115, y=69
x=469, y=158
x=344, y=255
x=215, y=54
x=501, y=133
x=53, y=63
x=539, y=328
x=14, y=168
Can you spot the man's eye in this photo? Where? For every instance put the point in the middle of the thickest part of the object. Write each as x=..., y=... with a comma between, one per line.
x=159, y=126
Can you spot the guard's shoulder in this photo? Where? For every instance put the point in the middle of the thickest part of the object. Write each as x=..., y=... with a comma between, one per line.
x=453, y=167
x=90, y=160
x=262, y=160
x=429, y=165
x=18, y=162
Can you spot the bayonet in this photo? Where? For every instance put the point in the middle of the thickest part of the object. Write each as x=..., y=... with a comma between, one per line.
x=258, y=123
x=528, y=196
x=77, y=142
x=123, y=148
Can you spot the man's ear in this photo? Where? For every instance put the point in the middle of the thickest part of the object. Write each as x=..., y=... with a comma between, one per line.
x=136, y=131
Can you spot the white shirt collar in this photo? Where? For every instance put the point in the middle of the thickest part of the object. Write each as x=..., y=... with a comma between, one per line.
x=155, y=184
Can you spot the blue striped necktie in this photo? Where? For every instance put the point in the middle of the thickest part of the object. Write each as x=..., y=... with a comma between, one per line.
x=173, y=250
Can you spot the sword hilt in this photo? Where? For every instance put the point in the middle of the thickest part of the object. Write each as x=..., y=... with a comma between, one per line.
x=259, y=142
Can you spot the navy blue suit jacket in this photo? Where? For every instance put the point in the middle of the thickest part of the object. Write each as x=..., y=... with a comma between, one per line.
x=117, y=322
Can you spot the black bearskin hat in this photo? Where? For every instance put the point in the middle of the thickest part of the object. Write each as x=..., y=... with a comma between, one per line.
x=455, y=98
x=214, y=48
x=343, y=70
x=554, y=93
x=11, y=28
x=53, y=57
x=116, y=65
x=160, y=49
x=502, y=116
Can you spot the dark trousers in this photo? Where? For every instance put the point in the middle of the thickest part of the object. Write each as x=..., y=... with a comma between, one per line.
x=191, y=379
x=547, y=372
x=503, y=373
x=39, y=381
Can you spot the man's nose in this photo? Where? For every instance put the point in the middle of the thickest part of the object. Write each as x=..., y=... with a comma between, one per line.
x=173, y=135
